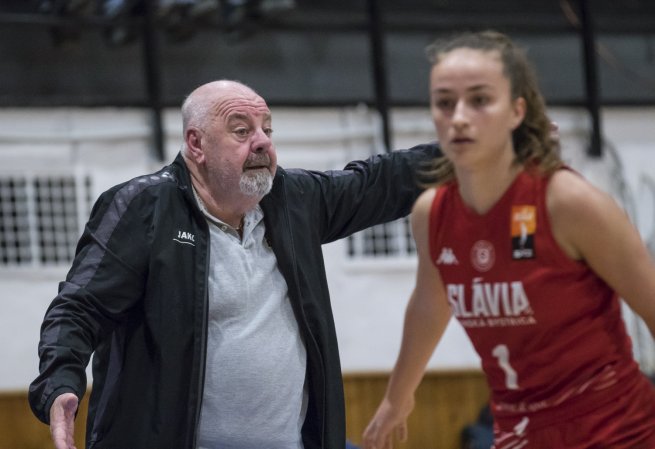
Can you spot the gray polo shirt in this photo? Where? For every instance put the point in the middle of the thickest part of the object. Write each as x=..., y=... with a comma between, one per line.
x=254, y=395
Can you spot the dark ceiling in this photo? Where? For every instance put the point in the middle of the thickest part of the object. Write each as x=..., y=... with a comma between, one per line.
x=307, y=52
x=632, y=16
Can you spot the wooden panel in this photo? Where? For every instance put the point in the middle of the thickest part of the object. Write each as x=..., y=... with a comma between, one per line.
x=445, y=402
x=19, y=428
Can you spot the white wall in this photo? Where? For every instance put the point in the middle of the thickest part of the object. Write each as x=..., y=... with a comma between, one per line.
x=368, y=296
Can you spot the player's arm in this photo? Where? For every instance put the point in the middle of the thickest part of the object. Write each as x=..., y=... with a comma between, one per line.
x=426, y=318
x=589, y=225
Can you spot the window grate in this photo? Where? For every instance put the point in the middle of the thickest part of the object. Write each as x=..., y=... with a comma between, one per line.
x=393, y=239
x=14, y=223
x=40, y=218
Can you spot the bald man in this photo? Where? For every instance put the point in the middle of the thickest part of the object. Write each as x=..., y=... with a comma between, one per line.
x=201, y=291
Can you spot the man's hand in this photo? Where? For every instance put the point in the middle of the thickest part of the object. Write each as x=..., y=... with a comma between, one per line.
x=62, y=421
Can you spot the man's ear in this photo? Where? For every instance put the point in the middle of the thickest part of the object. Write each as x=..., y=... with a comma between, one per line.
x=193, y=139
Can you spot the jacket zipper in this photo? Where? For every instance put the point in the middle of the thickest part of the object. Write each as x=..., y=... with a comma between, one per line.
x=203, y=340
x=203, y=360
x=300, y=308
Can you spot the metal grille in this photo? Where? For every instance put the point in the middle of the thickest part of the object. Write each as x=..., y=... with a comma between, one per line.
x=41, y=218
x=14, y=222
x=393, y=239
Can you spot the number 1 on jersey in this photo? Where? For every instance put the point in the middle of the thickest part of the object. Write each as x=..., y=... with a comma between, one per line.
x=501, y=352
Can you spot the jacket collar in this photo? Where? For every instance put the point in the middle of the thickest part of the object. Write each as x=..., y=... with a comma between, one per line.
x=182, y=172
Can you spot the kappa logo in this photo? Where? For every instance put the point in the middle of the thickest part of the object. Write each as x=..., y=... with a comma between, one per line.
x=185, y=238
x=447, y=257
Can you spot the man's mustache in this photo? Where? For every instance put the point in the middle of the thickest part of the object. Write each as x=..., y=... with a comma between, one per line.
x=258, y=161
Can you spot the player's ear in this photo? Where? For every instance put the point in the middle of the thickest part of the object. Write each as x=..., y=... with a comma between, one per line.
x=518, y=108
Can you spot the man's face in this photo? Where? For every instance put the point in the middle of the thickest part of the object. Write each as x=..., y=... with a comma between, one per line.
x=237, y=144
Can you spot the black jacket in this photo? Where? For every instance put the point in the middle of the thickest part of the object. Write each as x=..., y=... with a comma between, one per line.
x=136, y=294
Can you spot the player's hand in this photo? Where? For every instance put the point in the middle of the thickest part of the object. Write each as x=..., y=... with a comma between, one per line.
x=388, y=420
x=62, y=421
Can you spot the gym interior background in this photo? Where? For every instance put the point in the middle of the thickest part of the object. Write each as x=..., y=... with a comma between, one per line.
x=89, y=97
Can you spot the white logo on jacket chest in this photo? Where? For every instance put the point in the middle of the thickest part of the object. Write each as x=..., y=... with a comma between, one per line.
x=185, y=237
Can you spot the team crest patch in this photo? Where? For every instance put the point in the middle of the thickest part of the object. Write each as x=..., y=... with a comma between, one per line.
x=483, y=255
x=523, y=227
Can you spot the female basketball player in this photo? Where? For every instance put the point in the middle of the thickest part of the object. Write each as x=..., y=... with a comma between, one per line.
x=531, y=259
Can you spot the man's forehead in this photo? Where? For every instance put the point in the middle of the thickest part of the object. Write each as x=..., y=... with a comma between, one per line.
x=242, y=108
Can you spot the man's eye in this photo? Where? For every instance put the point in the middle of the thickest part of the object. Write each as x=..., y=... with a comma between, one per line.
x=241, y=132
x=268, y=131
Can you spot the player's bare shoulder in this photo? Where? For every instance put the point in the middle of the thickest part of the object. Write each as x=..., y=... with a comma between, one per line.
x=576, y=209
x=571, y=196
x=424, y=201
x=420, y=217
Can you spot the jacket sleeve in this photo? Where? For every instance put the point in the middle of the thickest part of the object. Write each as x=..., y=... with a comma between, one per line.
x=379, y=189
x=105, y=281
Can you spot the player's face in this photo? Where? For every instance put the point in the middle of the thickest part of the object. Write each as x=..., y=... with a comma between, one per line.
x=472, y=108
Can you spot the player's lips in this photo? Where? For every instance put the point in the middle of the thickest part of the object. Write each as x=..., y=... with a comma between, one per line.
x=461, y=140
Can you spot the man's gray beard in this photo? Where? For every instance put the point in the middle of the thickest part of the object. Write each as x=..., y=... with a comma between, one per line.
x=257, y=183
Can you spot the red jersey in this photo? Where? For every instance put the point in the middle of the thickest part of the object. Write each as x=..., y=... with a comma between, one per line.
x=548, y=330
